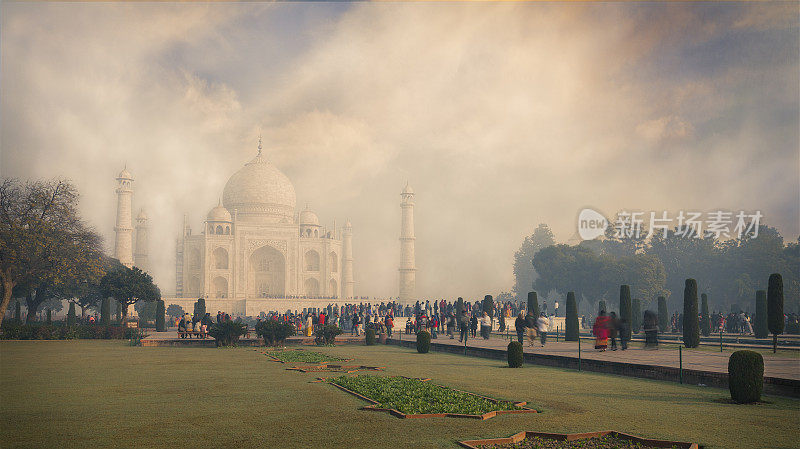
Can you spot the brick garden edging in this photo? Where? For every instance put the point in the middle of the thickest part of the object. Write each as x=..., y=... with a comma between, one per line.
x=327, y=367
x=376, y=405
x=518, y=437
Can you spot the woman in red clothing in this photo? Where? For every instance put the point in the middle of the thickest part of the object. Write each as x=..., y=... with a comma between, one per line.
x=601, y=331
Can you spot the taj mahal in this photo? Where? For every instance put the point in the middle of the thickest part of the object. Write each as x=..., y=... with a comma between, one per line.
x=254, y=252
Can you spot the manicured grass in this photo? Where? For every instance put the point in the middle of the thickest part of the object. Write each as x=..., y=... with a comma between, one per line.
x=107, y=394
x=302, y=356
x=413, y=396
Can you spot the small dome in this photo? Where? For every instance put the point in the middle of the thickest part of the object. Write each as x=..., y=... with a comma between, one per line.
x=347, y=224
x=309, y=218
x=407, y=190
x=219, y=213
x=125, y=174
x=142, y=215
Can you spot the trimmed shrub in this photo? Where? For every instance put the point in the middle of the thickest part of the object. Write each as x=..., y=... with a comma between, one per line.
x=161, y=324
x=533, y=304
x=691, y=324
x=326, y=335
x=274, y=332
x=58, y=331
x=625, y=310
x=227, y=333
x=199, y=308
x=571, y=329
x=663, y=314
x=369, y=337
x=459, y=307
x=601, y=307
x=18, y=312
x=49, y=316
x=105, y=312
x=423, y=342
x=760, y=326
x=71, y=318
x=746, y=376
x=775, y=308
x=119, y=311
x=514, y=352
x=636, y=315
x=705, y=319
x=488, y=305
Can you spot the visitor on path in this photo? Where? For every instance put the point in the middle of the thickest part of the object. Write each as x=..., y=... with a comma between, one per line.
x=473, y=325
x=600, y=331
x=451, y=325
x=464, y=327
x=530, y=325
x=389, y=322
x=309, y=325
x=613, y=325
x=486, y=326
x=650, y=326
x=542, y=324
x=519, y=325
x=354, y=321
x=182, y=326
x=622, y=329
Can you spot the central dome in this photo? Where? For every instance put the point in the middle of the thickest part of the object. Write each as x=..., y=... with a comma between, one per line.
x=260, y=191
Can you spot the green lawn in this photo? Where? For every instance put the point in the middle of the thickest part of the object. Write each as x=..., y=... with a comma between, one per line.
x=107, y=394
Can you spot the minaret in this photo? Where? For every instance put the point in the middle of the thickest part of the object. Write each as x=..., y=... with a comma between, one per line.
x=408, y=267
x=347, y=261
x=123, y=244
x=140, y=256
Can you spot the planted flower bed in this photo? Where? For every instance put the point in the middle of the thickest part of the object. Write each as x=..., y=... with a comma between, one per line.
x=330, y=368
x=419, y=398
x=593, y=440
x=301, y=356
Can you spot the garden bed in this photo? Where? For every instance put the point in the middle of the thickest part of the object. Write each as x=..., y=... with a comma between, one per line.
x=327, y=367
x=301, y=356
x=594, y=440
x=405, y=397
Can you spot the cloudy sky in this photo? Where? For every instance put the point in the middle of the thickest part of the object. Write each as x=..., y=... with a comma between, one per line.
x=501, y=116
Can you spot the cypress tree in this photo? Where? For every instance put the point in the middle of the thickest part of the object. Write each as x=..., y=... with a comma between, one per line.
x=105, y=312
x=775, y=308
x=71, y=315
x=663, y=314
x=160, y=320
x=533, y=304
x=705, y=319
x=49, y=316
x=625, y=310
x=119, y=312
x=760, y=326
x=200, y=308
x=488, y=305
x=691, y=324
x=459, y=307
x=636, y=315
x=18, y=312
x=601, y=307
x=571, y=329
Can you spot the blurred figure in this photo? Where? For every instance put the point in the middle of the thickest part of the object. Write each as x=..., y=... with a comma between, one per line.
x=613, y=325
x=601, y=331
x=542, y=324
x=519, y=325
x=650, y=326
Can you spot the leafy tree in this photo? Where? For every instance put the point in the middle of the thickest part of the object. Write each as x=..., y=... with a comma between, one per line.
x=663, y=314
x=625, y=311
x=760, y=326
x=129, y=285
x=524, y=273
x=705, y=318
x=571, y=329
x=45, y=248
x=691, y=325
x=175, y=311
x=775, y=308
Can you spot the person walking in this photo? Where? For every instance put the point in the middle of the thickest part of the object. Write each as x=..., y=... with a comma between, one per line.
x=542, y=325
x=464, y=327
x=650, y=326
x=530, y=325
x=486, y=326
x=600, y=331
x=473, y=325
x=519, y=325
x=613, y=325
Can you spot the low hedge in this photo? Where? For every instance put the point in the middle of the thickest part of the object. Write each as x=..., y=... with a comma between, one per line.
x=514, y=354
x=18, y=331
x=326, y=335
x=746, y=376
x=274, y=332
x=369, y=337
x=227, y=333
x=423, y=342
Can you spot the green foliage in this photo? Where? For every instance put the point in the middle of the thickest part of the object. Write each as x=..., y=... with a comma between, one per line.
x=105, y=312
x=524, y=272
x=760, y=326
x=175, y=311
x=274, y=332
x=71, y=318
x=636, y=315
x=625, y=309
x=199, y=308
x=369, y=337
x=775, y=304
x=423, y=342
x=49, y=316
x=326, y=335
x=128, y=285
x=601, y=307
x=160, y=319
x=663, y=314
x=227, y=333
x=459, y=307
x=119, y=311
x=414, y=396
x=515, y=356
x=691, y=324
x=302, y=356
x=533, y=304
x=18, y=312
x=571, y=328
x=147, y=311
x=705, y=317
x=746, y=376
x=24, y=331
x=488, y=305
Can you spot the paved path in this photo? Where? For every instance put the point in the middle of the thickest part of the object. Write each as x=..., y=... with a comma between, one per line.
x=704, y=360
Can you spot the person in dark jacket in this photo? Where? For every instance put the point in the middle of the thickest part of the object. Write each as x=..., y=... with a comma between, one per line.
x=519, y=325
x=473, y=325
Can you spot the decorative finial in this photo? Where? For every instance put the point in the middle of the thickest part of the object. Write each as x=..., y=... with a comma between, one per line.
x=259, y=144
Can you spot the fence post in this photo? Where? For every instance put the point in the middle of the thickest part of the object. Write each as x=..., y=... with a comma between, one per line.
x=720, y=340
x=579, y=352
x=680, y=361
